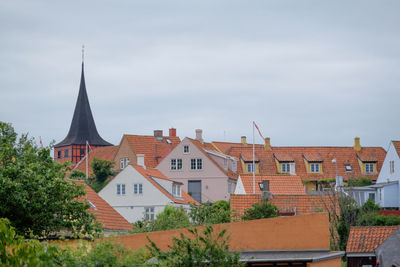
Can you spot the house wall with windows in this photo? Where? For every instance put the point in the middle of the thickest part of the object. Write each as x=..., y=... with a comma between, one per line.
x=124, y=154
x=130, y=204
x=391, y=165
x=213, y=182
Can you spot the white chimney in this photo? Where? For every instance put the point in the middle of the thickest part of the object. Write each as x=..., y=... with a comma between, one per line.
x=140, y=160
x=199, y=135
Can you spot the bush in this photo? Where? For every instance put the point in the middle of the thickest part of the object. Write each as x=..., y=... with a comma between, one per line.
x=208, y=213
x=260, y=210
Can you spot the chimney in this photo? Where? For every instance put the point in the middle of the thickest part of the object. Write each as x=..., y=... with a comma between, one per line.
x=140, y=160
x=199, y=135
x=357, y=146
x=267, y=144
x=172, y=132
x=243, y=140
x=158, y=134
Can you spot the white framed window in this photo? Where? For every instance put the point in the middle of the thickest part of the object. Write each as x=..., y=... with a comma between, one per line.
x=149, y=213
x=369, y=168
x=176, y=164
x=234, y=165
x=186, y=149
x=196, y=164
x=285, y=167
x=120, y=189
x=176, y=190
x=250, y=167
x=314, y=167
x=225, y=163
x=173, y=164
x=137, y=189
x=123, y=162
x=391, y=164
x=348, y=167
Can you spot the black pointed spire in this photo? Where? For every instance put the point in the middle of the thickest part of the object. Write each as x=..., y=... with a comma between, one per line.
x=83, y=127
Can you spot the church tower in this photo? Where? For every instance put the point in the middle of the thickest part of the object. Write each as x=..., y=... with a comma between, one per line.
x=82, y=130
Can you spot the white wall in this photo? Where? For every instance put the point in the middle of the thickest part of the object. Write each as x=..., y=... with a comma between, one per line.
x=384, y=174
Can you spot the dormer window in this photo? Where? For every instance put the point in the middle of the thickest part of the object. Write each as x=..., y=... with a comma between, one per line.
x=225, y=163
x=315, y=167
x=369, y=168
x=285, y=167
x=250, y=167
x=348, y=167
x=234, y=165
x=176, y=190
x=185, y=149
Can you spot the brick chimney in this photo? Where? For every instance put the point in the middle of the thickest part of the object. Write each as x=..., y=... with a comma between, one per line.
x=199, y=135
x=243, y=140
x=172, y=132
x=267, y=144
x=158, y=134
x=357, y=146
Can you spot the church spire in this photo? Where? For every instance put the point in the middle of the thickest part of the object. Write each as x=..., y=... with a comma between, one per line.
x=82, y=127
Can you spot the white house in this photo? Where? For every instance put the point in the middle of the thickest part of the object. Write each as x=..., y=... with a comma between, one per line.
x=386, y=191
x=138, y=193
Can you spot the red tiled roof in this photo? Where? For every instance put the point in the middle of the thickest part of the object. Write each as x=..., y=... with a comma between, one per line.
x=367, y=238
x=154, y=150
x=105, y=214
x=343, y=155
x=397, y=146
x=300, y=204
x=224, y=147
x=104, y=153
x=278, y=184
x=247, y=156
x=367, y=156
x=149, y=173
x=312, y=157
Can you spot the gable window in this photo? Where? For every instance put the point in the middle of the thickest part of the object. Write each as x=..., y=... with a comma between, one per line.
x=348, y=167
x=234, y=165
x=250, y=167
x=138, y=189
x=285, y=167
x=173, y=164
x=391, y=164
x=123, y=163
x=196, y=164
x=176, y=190
x=66, y=153
x=314, y=167
x=185, y=149
x=176, y=164
x=149, y=213
x=120, y=189
x=369, y=168
x=58, y=154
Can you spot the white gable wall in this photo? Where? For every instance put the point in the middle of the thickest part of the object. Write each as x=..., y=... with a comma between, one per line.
x=385, y=174
x=239, y=190
x=131, y=206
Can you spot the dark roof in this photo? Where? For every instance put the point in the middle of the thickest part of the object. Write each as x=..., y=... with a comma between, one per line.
x=83, y=127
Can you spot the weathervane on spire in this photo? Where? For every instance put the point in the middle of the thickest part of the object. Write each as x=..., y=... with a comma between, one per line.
x=83, y=53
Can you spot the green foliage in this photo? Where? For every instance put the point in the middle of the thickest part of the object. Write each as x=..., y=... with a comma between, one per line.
x=363, y=181
x=327, y=181
x=199, y=249
x=102, y=169
x=33, y=193
x=260, y=210
x=77, y=175
x=208, y=213
x=170, y=218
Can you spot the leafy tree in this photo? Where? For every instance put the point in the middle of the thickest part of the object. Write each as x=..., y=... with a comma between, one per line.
x=198, y=249
x=33, y=193
x=260, y=210
x=208, y=213
x=363, y=181
x=77, y=175
x=102, y=169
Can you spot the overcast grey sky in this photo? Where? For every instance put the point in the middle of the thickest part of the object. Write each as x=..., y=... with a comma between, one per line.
x=308, y=72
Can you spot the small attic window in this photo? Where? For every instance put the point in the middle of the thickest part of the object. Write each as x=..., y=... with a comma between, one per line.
x=92, y=205
x=348, y=167
x=168, y=141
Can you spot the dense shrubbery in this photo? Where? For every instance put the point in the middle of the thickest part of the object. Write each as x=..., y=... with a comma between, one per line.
x=363, y=181
x=261, y=210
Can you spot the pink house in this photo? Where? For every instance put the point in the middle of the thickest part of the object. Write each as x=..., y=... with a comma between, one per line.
x=206, y=174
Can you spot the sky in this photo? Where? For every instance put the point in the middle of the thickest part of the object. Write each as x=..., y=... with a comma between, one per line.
x=309, y=73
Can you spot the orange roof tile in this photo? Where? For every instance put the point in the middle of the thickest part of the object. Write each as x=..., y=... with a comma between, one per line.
x=283, y=156
x=149, y=173
x=397, y=146
x=105, y=214
x=367, y=238
x=278, y=184
x=313, y=157
x=104, y=153
x=247, y=156
x=300, y=204
x=367, y=156
x=154, y=150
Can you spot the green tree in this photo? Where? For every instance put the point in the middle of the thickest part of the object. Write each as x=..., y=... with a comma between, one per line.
x=210, y=213
x=363, y=181
x=260, y=210
x=77, y=175
x=33, y=193
x=206, y=248
x=102, y=169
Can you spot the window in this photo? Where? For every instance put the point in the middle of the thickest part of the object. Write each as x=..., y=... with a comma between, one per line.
x=348, y=167
x=250, y=167
x=196, y=164
x=138, y=189
x=149, y=213
x=176, y=164
x=225, y=163
x=314, y=167
x=123, y=163
x=369, y=168
x=120, y=189
x=176, y=190
x=391, y=164
x=285, y=167
x=234, y=165
x=185, y=149
x=66, y=153
x=82, y=151
x=58, y=154
x=371, y=196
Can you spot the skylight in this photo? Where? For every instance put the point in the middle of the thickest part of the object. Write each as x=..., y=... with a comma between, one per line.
x=348, y=167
